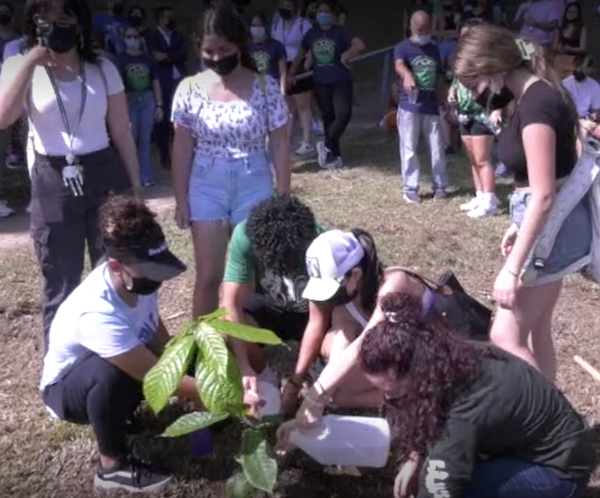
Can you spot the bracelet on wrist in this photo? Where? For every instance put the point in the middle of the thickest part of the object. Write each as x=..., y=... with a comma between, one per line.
x=512, y=272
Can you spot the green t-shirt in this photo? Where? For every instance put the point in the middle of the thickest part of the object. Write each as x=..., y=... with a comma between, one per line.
x=466, y=104
x=285, y=291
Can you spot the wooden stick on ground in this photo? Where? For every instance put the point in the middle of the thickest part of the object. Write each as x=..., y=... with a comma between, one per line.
x=176, y=315
x=587, y=367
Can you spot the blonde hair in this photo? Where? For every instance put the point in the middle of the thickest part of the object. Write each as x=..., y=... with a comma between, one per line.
x=487, y=49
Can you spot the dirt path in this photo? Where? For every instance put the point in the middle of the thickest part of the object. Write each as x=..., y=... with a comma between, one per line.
x=14, y=231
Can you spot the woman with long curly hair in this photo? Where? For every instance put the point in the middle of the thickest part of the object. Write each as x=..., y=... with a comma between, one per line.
x=476, y=420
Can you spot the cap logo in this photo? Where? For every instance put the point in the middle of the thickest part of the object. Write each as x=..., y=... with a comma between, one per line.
x=313, y=268
x=162, y=248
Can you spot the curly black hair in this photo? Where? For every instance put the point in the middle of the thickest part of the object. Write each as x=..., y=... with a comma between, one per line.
x=280, y=230
x=436, y=364
x=126, y=222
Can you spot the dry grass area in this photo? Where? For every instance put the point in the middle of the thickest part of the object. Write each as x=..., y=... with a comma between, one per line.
x=44, y=458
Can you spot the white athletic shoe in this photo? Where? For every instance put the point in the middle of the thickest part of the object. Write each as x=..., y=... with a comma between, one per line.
x=305, y=149
x=482, y=211
x=469, y=206
x=5, y=211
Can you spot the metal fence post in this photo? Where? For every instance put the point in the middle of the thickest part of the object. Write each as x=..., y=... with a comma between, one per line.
x=386, y=80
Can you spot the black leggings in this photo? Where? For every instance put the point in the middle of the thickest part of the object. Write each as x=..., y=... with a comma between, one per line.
x=94, y=391
x=335, y=103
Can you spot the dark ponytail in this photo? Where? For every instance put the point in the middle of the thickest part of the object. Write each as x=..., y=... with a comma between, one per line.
x=223, y=20
x=372, y=270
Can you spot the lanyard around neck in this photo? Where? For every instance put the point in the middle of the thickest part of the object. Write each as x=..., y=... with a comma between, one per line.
x=61, y=105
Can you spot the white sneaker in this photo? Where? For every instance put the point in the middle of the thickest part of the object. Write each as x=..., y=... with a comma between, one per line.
x=321, y=154
x=469, y=206
x=482, y=211
x=5, y=211
x=305, y=149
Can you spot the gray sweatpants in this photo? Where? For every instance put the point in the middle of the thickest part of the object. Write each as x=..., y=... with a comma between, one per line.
x=410, y=127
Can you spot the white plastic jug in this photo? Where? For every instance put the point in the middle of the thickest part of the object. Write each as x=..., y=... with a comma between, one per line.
x=271, y=397
x=347, y=441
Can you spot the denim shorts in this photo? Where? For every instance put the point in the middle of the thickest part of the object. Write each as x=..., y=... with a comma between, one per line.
x=572, y=242
x=224, y=189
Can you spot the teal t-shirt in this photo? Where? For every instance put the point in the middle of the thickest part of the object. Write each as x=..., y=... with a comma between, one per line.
x=242, y=266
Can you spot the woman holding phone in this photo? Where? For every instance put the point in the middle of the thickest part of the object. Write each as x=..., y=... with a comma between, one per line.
x=84, y=149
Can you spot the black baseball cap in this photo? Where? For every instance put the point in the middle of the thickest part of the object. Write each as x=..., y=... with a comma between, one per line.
x=154, y=261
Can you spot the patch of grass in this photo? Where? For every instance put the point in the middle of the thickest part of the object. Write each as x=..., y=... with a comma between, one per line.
x=40, y=455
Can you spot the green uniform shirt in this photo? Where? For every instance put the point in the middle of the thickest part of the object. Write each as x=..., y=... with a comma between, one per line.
x=285, y=291
x=466, y=102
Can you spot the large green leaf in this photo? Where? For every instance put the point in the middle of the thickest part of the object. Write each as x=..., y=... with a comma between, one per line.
x=164, y=378
x=192, y=422
x=220, y=313
x=259, y=467
x=219, y=393
x=212, y=347
x=186, y=332
x=239, y=487
x=246, y=333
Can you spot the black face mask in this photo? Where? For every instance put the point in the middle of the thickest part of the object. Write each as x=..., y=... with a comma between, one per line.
x=579, y=75
x=59, y=38
x=143, y=286
x=5, y=19
x=286, y=13
x=118, y=9
x=136, y=21
x=496, y=101
x=223, y=66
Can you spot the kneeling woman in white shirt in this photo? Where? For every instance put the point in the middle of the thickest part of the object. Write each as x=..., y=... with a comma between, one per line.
x=75, y=105
x=107, y=335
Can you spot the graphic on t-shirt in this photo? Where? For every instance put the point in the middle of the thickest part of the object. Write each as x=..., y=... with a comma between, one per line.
x=137, y=77
x=323, y=51
x=148, y=329
x=424, y=69
x=436, y=479
x=284, y=291
x=262, y=60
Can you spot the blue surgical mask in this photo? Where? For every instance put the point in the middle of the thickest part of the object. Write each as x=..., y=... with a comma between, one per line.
x=258, y=32
x=132, y=43
x=422, y=40
x=324, y=18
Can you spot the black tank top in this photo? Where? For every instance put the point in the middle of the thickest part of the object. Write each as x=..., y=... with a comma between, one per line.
x=573, y=40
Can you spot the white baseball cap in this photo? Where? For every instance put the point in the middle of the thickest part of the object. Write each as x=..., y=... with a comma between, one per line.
x=330, y=256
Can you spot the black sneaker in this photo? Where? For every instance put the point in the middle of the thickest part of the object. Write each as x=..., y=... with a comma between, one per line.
x=131, y=475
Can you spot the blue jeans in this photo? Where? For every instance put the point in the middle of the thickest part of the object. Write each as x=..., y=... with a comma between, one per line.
x=141, y=107
x=511, y=478
x=223, y=189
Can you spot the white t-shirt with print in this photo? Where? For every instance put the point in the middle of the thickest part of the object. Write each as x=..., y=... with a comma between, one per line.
x=49, y=134
x=95, y=319
x=585, y=94
x=291, y=38
x=230, y=130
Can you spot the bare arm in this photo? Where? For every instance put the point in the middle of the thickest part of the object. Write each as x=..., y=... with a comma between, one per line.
x=282, y=64
x=318, y=322
x=138, y=361
x=183, y=150
x=234, y=296
x=297, y=61
x=336, y=370
x=280, y=150
x=13, y=94
x=157, y=92
x=356, y=48
x=539, y=142
x=402, y=70
x=117, y=118
x=160, y=339
x=582, y=48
